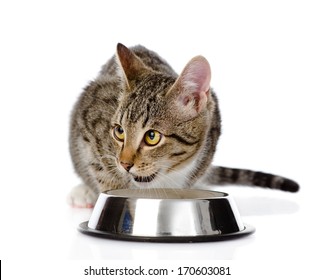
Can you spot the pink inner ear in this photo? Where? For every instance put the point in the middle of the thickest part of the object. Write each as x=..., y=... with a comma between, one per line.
x=195, y=82
x=197, y=75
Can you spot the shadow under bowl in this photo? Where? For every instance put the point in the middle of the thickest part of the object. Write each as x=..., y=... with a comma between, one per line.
x=165, y=215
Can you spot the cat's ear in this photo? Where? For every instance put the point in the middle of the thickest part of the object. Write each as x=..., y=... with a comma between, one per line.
x=131, y=65
x=192, y=88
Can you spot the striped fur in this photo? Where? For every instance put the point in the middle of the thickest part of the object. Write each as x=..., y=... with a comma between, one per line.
x=138, y=91
x=219, y=175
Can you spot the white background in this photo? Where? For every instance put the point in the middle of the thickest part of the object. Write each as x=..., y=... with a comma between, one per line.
x=261, y=60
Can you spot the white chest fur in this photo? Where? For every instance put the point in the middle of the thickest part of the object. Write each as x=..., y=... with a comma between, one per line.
x=177, y=179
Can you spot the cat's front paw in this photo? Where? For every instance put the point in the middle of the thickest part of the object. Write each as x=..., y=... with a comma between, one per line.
x=82, y=196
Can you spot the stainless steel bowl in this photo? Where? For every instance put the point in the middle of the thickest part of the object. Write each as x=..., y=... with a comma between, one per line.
x=165, y=215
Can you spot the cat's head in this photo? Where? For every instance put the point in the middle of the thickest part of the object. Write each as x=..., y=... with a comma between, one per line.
x=162, y=121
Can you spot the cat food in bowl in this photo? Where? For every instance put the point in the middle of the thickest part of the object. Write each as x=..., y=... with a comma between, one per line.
x=165, y=215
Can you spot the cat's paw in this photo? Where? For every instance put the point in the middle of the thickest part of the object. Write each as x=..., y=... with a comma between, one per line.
x=82, y=196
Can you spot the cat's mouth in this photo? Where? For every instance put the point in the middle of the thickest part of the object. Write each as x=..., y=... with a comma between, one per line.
x=145, y=179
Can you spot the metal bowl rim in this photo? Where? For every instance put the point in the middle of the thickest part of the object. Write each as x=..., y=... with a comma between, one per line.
x=210, y=195
x=248, y=229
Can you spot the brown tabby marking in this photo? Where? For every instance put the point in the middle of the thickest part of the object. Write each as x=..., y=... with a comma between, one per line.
x=139, y=124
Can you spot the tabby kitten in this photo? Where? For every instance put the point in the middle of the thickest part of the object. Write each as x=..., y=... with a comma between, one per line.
x=140, y=125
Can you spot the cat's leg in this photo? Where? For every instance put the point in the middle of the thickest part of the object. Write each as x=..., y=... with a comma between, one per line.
x=82, y=196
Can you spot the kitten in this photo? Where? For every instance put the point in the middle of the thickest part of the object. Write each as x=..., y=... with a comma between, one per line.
x=139, y=124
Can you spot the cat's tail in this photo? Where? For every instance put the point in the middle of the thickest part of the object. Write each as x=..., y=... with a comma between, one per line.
x=219, y=175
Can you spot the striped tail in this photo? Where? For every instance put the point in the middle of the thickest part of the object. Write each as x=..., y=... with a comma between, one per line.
x=224, y=175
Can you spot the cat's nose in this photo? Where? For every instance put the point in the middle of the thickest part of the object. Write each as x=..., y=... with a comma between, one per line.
x=127, y=166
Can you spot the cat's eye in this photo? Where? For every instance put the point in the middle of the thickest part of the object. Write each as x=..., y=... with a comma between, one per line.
x=152, y=137
x=118, y=133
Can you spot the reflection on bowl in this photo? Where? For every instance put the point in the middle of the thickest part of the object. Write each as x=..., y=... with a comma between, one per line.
x=165, y=215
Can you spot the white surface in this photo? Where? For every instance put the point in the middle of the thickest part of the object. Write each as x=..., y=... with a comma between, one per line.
x=261, y=60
